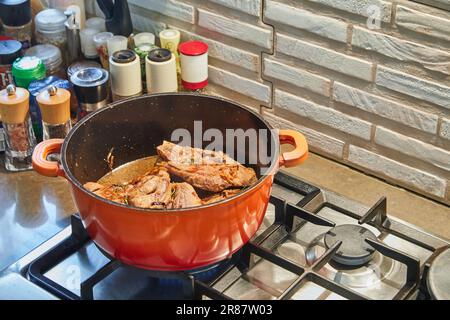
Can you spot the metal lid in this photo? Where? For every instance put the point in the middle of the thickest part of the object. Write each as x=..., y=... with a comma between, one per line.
x=15, y=13
x=10, y=50
x=50, y=20
x=123, y=56
x=354, y=250
x=193, y=48
x=159, y=55
x=438, y=276
x=89, y=77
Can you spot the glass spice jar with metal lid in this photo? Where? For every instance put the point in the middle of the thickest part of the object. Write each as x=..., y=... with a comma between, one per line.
x=51, y=57
x=50, y=28
x=55, y=109
x=10, y=50
x=19, y=136
x=15, y=16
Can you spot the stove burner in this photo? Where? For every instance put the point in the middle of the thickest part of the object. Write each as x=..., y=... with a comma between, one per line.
x=438, y=280
x=354, y=250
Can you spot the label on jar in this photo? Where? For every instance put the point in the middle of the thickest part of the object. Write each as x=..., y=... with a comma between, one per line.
x=6, y=76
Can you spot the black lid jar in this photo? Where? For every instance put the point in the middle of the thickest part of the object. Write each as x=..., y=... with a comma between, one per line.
x=16, y=19
x=10, y=50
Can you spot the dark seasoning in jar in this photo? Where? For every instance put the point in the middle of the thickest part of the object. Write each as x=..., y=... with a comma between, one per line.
x=15, y=16
x=10, y=50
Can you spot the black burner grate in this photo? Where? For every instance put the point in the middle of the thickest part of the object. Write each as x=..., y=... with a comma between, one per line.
x=196, y=286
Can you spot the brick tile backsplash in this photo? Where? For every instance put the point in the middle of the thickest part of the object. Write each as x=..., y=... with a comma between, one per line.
x=375, y=96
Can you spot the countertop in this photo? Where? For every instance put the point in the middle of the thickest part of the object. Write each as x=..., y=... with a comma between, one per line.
x=32, y=209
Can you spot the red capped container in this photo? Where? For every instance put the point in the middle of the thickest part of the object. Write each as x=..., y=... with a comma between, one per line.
x=194, y=64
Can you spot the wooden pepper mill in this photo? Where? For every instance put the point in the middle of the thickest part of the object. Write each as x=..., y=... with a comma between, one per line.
x=54, y=104
x=19, y=136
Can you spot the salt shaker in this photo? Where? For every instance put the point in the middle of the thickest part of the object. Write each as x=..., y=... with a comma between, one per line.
x=19, y=136
x=55, y=109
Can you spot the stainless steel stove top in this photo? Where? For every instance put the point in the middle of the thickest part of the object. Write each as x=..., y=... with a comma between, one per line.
x=287, y=259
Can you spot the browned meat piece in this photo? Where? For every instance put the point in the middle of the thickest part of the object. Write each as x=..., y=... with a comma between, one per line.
x=116, y=193
x=220, y=196
x=151, y=190
x=183, y=196
x=204, y=169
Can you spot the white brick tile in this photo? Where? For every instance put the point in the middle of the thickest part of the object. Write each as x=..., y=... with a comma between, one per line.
x=317, y=141
x=252, y=7
x=327, y=116
x=445, y=129
x=236, y=29
x=422, y=89
x=402, y=50
x=385, y=108
x=171, y=8
x=383, y=166
x=423, y=23
x=414, y=148
x=146, y=24
x=224, y=52
x=360, y=7
x=326, y=58
x=298, y=77
x=232, y=81
x=306, y=20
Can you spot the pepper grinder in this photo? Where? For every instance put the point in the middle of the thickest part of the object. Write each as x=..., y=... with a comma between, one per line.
x=19, y=136
x=55, y=109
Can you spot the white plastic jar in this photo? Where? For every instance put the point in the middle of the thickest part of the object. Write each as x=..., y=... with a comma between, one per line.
x=194, y=64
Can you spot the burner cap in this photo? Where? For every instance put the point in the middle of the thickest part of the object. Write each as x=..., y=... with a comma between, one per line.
x=354, y=250
x=438, y=279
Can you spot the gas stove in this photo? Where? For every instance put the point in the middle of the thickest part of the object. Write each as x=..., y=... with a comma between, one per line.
x=313, y=244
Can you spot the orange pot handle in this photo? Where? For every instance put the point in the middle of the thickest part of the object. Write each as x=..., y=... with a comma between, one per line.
x=296, y=156
x=40, y=163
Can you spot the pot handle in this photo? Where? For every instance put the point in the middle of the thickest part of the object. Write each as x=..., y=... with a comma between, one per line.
x=296, y=156
x=40, y=163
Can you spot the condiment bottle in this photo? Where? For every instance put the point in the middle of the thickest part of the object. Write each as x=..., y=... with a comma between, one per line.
x=142, y=50
x=50, y=28
x=51, y=58
x=125, y=69
x=25, y=70
x=10, y=50
x=170, y=39
x=91, y=89
x=55, y=109
x=194, y=65
x=100, y=41
x=15, y=16
x=161, y=71
x=73, y=37
x=19, y=136
x=87, y=43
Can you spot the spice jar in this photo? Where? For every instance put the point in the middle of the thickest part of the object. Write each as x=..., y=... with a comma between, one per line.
x=91, y=89
x=142, y=50
x=17, y=127
x=170, y=39
x=125, y=69
x=55, y=109
x=25, y=70
x=51, y=57
x=161, y=71
x=10, y=50
x=16, y=19
x=100, y=41
x=96, y=23
x=194, y=65
x=87, y=43
x=50, y=29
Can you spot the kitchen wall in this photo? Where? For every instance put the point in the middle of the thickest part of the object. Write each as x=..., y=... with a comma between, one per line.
x=367, y=81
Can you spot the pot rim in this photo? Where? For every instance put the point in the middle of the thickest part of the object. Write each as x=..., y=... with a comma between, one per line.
x=272, y=169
